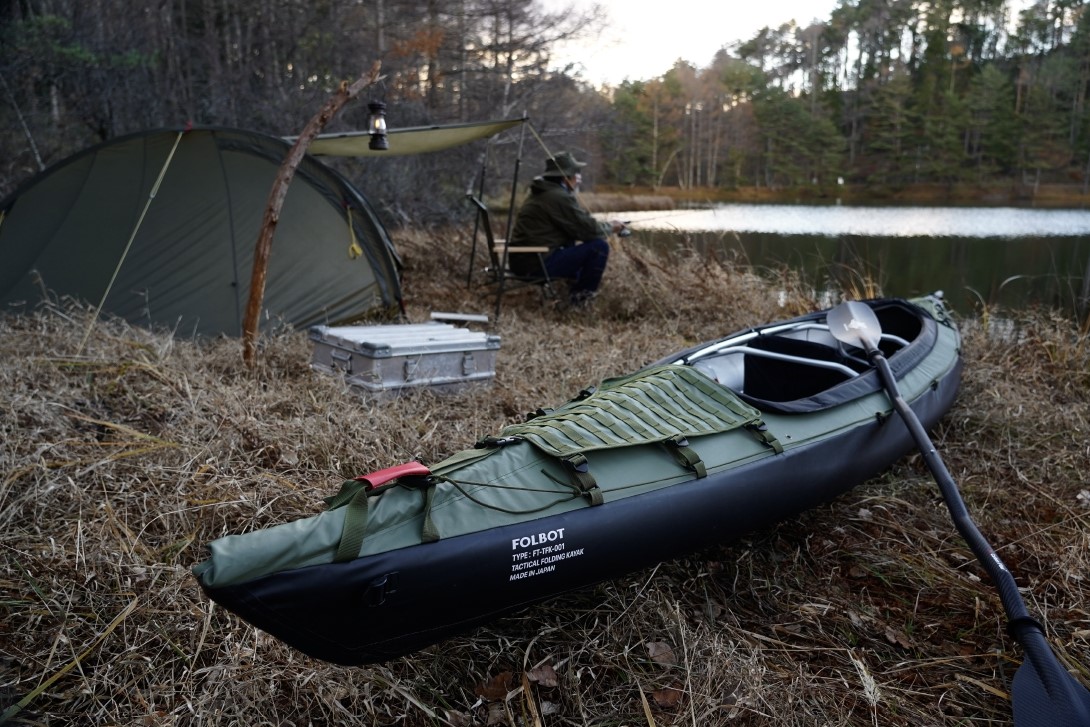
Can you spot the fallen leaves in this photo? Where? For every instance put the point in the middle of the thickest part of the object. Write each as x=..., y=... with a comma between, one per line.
x=499, y=686
x=544, y=675
x=499, y=689
x=898, y=638
x=661, y=653
x=496, y=688
x=668, y=697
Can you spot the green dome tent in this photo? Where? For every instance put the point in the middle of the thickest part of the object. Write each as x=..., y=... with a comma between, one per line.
x=66, y=231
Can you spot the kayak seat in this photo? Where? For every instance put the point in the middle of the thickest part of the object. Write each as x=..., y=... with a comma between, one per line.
x=775, y=379
x=899, y=326
x=778, y=368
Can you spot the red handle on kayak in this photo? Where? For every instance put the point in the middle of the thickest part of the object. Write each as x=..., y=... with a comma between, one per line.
x=381, y=477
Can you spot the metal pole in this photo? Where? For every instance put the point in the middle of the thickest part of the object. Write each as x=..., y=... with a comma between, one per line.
x=510, y=218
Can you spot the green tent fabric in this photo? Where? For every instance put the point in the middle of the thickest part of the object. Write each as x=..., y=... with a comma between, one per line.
x=65, y=232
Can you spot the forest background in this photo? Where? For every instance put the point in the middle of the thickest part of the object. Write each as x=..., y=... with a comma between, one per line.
x=884, y=96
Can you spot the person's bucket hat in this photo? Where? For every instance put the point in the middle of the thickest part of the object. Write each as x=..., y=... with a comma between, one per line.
x=563, y=164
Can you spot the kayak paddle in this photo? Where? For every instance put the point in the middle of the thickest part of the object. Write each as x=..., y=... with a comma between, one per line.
x=1044, y=694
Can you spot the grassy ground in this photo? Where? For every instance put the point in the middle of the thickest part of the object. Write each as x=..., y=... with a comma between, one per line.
x=118, y=462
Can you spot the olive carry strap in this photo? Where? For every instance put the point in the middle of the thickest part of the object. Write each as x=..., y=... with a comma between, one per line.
x=760, y=430
x=685, y=455
x=353, y=497
x=579, y=469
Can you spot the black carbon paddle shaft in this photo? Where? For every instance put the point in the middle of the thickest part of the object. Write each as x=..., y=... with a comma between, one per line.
x=1045, y=694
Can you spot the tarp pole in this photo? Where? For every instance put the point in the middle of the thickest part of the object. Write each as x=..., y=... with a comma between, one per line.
x=510, y=217
x=477, y=218
x=515, y=180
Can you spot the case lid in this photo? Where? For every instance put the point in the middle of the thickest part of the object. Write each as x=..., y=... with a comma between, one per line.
x=404, y=339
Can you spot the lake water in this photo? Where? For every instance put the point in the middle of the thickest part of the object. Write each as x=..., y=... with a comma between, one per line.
x=1006, y=256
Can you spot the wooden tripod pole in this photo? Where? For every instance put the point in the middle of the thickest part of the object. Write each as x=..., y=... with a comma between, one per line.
x=279, y=191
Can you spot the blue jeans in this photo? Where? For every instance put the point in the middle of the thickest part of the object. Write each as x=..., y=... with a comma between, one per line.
x=582, y=263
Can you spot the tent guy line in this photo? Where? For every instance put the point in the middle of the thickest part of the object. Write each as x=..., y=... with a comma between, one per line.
x=128, y=245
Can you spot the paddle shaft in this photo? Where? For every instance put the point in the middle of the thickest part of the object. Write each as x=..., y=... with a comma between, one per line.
x=1023, y=627
x=1008, y=589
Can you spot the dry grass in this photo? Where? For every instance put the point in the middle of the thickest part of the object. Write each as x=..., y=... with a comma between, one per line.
x=625, y=201
x=117, y=465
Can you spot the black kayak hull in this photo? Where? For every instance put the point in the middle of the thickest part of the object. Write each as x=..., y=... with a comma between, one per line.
x=389, y=604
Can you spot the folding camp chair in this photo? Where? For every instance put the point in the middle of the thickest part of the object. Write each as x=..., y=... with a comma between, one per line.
x=501, y=254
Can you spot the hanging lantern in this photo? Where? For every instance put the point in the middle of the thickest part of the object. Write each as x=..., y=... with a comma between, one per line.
x=376, y=126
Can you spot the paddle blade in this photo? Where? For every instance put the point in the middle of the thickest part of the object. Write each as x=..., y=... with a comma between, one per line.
x=1033, y=706
x=854, y=323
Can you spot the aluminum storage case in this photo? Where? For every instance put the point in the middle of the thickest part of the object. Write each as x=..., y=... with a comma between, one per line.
x=394, y=358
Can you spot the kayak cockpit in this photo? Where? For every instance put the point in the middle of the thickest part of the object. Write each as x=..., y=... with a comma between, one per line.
x=797, y=360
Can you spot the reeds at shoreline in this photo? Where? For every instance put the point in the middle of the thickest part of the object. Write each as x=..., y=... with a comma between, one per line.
x=118, y=464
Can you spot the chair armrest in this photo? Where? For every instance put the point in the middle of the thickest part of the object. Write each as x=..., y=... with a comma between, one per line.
x=521, y=249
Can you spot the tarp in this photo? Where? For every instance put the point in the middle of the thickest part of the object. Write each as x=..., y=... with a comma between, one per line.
x=410, y=140
x=65, y=233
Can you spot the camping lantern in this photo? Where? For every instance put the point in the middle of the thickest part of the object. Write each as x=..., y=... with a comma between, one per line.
x=376, y=126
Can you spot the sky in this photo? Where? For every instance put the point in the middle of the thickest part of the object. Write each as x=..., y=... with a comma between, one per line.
x=644, y=38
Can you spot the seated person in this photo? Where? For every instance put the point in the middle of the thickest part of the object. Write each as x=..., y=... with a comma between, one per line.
x=551, y=216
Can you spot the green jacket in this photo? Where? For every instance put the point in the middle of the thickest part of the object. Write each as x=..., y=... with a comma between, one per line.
x=552, y=216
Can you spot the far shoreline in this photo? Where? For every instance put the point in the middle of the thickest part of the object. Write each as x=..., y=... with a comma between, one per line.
x=605, y=198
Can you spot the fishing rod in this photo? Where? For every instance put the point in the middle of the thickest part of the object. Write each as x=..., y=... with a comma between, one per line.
x=667, y=215
x=673, y=213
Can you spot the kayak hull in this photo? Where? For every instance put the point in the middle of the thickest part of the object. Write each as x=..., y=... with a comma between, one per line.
x=387, y=604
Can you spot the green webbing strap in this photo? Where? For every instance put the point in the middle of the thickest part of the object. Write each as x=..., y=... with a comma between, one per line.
x=592, y=424
x=560, y=437
x=354, y=493
x=760, y=430
x=643, y=408
x=686, y=455
x=627, y=411
x=348, y=490
x=667, y=408
x=463, y=458
x=353, y=498
x=579, y=469
x=722, y=396
x=697, y=412
x=429, y=533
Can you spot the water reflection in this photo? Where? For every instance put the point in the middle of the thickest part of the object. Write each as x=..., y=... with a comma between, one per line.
x=1009, y=257
x=781, y=219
